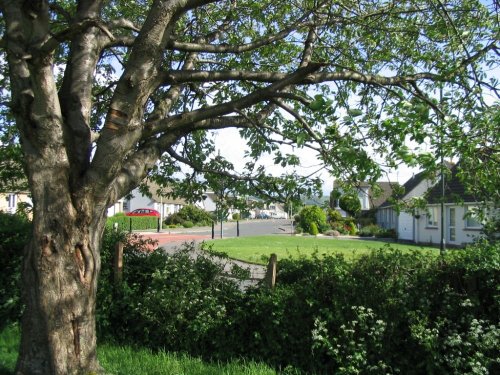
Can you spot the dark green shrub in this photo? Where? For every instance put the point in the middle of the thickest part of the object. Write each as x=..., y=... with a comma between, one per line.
x=175, y=302
x=386, y=233
x=15, y=231
x=174, y=219
x=339, y=227
x=369, y=230
x=312, y=214
x=350, y=203
x=334, y=215
x=386, y=312
x=350, y=226
x=313, y=229
x=196, y=215
x=188, y=224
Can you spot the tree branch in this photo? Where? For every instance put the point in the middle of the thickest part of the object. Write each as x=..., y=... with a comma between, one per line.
x=173, y=77
x=184, y=120
x=204, y=169
x=225, y=48
x=308, y=46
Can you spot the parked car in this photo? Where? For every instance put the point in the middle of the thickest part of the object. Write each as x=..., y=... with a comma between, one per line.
x=143, y=212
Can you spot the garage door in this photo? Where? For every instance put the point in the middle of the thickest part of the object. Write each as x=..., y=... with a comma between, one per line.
x=405, y=227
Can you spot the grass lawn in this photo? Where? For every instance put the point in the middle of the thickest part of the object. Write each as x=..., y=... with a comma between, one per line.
x=120, y=360
x=258, y=249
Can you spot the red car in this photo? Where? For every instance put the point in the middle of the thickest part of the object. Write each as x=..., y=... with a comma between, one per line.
x=143, y=212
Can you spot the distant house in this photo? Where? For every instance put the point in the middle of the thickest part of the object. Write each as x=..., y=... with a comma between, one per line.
x=368, y=198
x=10, y=200
x=158, y=200
x=424, y=225
x=271, y=211
x=255, y=207
x=461, y=226
x=404, y=223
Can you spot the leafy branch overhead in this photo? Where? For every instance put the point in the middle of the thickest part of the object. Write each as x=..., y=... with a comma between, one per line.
x=351, y=82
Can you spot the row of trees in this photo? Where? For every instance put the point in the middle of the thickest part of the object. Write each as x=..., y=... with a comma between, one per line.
x=98, y=95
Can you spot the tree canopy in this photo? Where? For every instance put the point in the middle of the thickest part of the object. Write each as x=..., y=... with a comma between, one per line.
x=352, y=81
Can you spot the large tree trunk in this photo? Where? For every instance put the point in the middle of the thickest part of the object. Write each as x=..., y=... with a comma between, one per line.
x=60, y=272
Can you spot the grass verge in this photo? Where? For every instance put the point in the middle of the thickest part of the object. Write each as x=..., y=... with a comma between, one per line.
x=123, y=360
x=258, y=249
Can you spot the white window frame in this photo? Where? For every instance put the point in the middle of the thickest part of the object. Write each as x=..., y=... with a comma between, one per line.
x=432, y=217
x=473, y=219
x=12, y=201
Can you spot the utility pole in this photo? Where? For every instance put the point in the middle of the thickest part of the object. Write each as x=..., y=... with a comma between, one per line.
x=442, y=246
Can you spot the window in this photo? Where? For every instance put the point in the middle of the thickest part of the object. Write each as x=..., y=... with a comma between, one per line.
x=12, y=201
x=471, y=219
x=452, y=224
x=432, y=217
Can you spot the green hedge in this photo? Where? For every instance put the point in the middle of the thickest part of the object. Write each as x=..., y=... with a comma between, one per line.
x=15, y=232
x=138, y=222
x=384, y=313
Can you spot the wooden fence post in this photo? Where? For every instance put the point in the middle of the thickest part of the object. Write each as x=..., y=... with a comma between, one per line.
x=270, y=278
x=118, y=264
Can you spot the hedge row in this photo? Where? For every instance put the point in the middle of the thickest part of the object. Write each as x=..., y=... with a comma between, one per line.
x=387, y=313
x=14, y=234
x=125, y=223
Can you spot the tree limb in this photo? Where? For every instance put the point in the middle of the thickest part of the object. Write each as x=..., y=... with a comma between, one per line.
x=225, y=48
x=173, y=77
x=184, y=120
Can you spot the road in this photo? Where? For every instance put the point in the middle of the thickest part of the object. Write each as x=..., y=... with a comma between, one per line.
x=172, y=238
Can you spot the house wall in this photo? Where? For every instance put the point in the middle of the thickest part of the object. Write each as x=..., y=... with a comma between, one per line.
x=404, y=224
x=10, y=201
x=406, y=227
x=386, y=218
x=432, y=235
x=209, y=204
x=115, y=208
x=140, y=201
x=363, y=195
x=420, y=189
x=165, y=207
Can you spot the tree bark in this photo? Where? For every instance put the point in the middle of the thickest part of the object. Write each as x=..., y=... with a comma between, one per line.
x=60, y=273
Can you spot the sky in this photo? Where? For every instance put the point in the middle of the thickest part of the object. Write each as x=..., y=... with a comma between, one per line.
x=232, y=147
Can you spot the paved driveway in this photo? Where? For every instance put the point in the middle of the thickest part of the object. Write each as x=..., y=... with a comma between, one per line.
x=171, y=240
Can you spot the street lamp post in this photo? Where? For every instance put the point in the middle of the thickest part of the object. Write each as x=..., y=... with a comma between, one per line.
x=221, y=210
x=161, y=211
x=442, y=246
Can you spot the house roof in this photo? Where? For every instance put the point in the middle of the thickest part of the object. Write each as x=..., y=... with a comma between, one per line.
x=408, y=186
x=155, y=190
x=454, y=190
x=386, y=187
